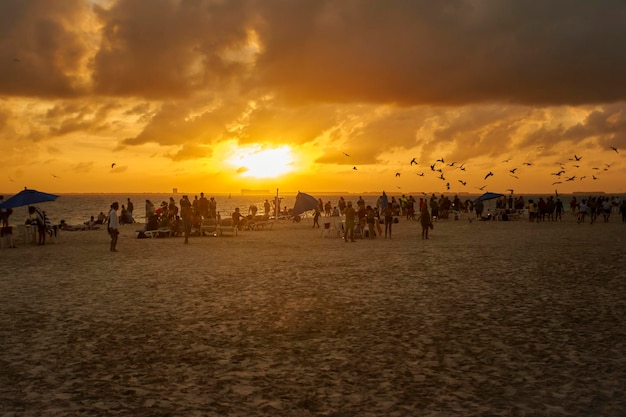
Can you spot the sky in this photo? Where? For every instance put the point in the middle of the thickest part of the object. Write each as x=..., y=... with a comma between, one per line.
x=458, y=96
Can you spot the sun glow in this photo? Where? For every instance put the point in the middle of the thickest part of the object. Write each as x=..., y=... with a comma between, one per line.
x=260, y=162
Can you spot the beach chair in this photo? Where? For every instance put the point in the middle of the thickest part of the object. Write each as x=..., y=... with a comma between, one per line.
x=209, y=226
x=226, y=226
x=160, y=232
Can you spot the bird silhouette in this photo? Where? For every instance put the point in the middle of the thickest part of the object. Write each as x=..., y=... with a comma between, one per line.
x=354, y=168
x=113, y=165
x=514, y=176
x=557, y=182
x=397, y=174
x=481, y=188
x=506, y=160
x=594, y=177
x=421, y=174
x=441, y=177
x=512, y=171
x=576, y=158
x=413, y=161
x=441, y=160
x=463, y=182
x=572, y=178
x=614, y=148
x=345, y=154
x=528, y=164
x=558, y=173
x=432, y=167
x=490, y=174
x=55, y=176
x=583, y=177
x=448, y=185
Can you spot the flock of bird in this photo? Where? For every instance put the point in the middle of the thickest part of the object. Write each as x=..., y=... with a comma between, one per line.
x=567, y=171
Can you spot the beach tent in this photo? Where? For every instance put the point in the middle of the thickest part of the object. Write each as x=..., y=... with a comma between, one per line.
x=488, y=196
x=304, y=202
x=27, y=197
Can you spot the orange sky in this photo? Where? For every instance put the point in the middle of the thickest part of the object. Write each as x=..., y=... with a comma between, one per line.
x=313, y=95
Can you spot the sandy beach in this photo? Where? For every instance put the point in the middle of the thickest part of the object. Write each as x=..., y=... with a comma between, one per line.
x=483, y=319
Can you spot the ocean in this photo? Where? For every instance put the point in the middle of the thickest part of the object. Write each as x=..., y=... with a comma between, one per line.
x=76, y=209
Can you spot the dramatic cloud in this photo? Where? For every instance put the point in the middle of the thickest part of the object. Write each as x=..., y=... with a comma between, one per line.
x=474, y=80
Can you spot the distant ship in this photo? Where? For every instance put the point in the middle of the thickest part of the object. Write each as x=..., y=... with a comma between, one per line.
x=245, y=191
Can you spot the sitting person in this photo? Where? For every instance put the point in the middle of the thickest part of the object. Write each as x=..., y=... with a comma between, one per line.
x=64, y=226
x=91, y=223
x=102, y=218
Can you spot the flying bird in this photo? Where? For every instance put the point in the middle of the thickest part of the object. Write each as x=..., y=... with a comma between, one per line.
x=432, y=167
x=527, y=163
x=113, y=165
x=441, y=177
x=570, y=178
x=557, y=182
x=512, y=171
x=413, y=161
x=448, y=185
x=345, y=154
x=463, y=182
x=583, y=177
x=461, y=167
x=558, y=173
x=397, y=174
x=354, y=168
x=55, y=176
x=576, y=158
x=594, y=177
x=11, y=179
x=490, y=174
x=614, y=148
x=481, y=188
x=506, y=160
x=441, y=160
x=421, y=174
x=514, y=176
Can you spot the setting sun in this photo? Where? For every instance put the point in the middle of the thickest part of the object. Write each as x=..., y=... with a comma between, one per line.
x=259, y=162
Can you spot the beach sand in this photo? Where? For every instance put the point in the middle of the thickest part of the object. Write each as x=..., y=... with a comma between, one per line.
x=483, y=319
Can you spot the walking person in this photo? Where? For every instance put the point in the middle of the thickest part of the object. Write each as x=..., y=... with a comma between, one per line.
x=113, y=226
x=425, y=221
x=186, y=214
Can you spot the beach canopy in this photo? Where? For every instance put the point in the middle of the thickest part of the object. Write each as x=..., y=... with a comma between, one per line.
x=304, y=202
x=488, y=196
x=27, y=197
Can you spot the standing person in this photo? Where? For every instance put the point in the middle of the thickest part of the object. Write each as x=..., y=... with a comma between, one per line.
x=129, y=208
x=4, y=216
x=425, y=221
x=388, y=217
x=622, y=210
x=186, y=214
x=316, y=216
x=149, y=210
x=203, y=205
x=267, y=207
x=370, y=215
x=40, y=221
x=558, y=207
x=113, y=226
x=350, y=218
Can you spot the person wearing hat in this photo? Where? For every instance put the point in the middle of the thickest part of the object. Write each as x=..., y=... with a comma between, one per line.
x=350, y=217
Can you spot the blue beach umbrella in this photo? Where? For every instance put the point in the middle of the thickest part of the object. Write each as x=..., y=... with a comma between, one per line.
x=488, y=196
x=304, y=202
x=27, y=197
